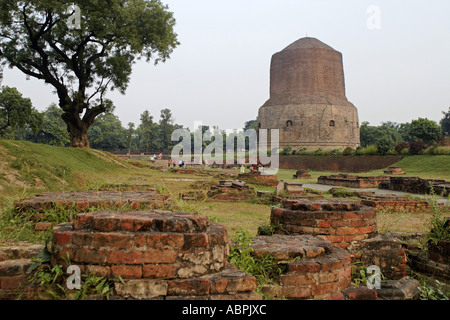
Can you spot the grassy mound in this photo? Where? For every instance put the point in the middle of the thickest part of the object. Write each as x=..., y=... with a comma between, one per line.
x=27, y=168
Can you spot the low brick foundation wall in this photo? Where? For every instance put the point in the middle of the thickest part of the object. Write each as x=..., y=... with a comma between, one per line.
x=83, y=201
x=15, y=259
x=231, y=190
x=338, y=163
x=259, y=179
x=313, y=267
x=340, y=221
x=417, y=185
x=164, y=254
x=125, y=187
x=352, y=181
x=395, y=203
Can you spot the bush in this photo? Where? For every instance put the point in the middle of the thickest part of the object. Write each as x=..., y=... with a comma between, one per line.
x=417, y=147
x=359, y=151
x=286, y=151
x=302, y=151
x=337, y=151
x=348, y=151
x=385, y=144
x=370, y=151
x=318, y=152
x=399, y=147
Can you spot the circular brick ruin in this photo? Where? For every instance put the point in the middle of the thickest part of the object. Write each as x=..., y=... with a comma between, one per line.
x=313, y=267
x=160, y=254
x=340, y=221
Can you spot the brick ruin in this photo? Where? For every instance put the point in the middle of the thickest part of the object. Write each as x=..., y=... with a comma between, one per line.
x=417, y=185
x=340, y=221
x=395, y=171
x=289, y=188
x=346, y=224
x=15, y=259
x=394, y=202
x=302, y=174
x=175, y=255
x=259, y=178
x=84, y=201
x=351, y=181
x=159, y=255
x=436, y=261
x=313, y=267
x=124, y=187
x=231, y=190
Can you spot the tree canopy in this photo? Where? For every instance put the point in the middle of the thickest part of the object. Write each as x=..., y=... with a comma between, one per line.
x=16, y=111
x=82, y=62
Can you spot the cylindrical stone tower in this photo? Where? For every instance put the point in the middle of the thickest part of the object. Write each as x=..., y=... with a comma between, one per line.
x=307, y=98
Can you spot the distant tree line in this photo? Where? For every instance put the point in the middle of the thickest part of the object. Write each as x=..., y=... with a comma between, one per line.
x=19, y=120
x=415, y=137
x=411, y=137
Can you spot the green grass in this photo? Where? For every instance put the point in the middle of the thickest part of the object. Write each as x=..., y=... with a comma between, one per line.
x=27, y=168
x=423, y=166
x=432, y=167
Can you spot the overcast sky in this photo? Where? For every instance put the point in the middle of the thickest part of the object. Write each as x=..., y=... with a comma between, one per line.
x=396, y=64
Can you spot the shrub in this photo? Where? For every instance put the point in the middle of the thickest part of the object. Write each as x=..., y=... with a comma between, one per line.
x=348, y=151
x=264, y=269
x=370, y=151
x=385, y=144
x=337, y=151
x=318, y=152
x=417, y=147
x=286, y=151
x=359, y=151
x=302, y=151
x=399, y=147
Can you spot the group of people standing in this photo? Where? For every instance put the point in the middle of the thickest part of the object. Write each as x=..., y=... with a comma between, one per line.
x=181, y=164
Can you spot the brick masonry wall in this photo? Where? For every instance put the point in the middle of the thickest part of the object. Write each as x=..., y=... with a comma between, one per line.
x=384, y=251
x=352, y=181
x=417, y=185
x=15, y=260
x=338, y=164
x=340, y=221
x=83, y=201
x=314, y=268
x=159, y=254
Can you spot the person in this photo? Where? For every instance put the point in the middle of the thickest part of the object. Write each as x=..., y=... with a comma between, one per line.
x=242, y=170
x=180, y=163
x=170, y=162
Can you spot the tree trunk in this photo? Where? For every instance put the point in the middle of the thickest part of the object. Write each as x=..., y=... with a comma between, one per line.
x=78, y=135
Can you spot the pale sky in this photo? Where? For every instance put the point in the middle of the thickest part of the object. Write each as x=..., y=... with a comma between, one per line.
x=219, y=75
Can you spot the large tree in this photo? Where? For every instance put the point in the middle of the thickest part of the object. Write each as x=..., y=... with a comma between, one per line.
x=83, y=61
x=425, y=130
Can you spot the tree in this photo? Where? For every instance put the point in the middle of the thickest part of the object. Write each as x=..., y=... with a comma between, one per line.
x=166, y=128
x=107, y=133
x=386, y=133
x=84, y=61
x=384, y=144
x=130, y=136
x=425, y=130
x=17, y=111
x=445, y=123
x=252, y=124
x=147, y=132
x=53, y=130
